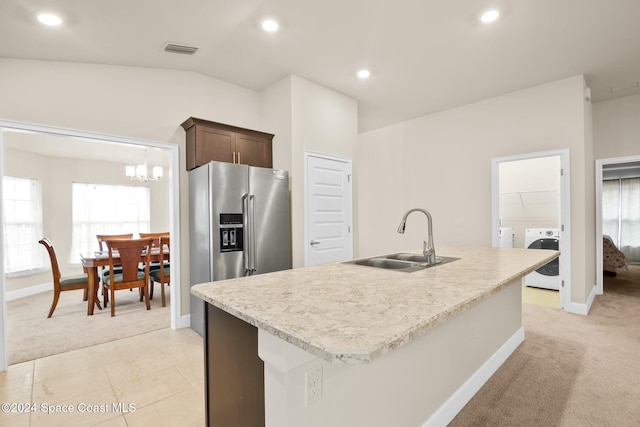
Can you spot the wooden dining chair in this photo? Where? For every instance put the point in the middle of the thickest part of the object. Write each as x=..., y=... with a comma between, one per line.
x=130, y=254
x=163, y=274
x=156, y=242
x=154, y=235
x=155, y=265
x=102, y=238
x=61, y=284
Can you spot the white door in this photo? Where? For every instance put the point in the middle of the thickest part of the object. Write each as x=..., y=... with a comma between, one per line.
x=328, y=217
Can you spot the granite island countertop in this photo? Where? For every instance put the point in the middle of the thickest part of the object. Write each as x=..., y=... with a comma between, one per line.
x=346, y=313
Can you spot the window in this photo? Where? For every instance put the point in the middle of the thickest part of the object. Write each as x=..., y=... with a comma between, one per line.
x=23, y=226
x=106, y=209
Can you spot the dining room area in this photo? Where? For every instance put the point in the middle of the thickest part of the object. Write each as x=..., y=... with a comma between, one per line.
x=138, y=362
x=69, y=206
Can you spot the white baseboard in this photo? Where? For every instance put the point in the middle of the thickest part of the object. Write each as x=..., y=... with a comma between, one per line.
x=27, y=292
x=184, y=321
x=445, y=413
x=583, y=309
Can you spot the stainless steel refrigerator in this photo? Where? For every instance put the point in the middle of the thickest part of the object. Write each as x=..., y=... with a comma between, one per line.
x=239, y=223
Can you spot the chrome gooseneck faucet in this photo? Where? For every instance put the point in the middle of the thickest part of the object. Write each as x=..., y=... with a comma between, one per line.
x=428, y=249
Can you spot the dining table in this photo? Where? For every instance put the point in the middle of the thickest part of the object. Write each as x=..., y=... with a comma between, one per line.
x=91, y=262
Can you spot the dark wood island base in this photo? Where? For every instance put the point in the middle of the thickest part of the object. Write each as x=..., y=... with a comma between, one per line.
x=234, y=374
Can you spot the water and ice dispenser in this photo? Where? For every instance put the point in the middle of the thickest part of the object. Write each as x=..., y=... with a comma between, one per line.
x=231, y=232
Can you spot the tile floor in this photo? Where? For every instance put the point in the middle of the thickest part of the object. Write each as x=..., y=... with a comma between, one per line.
x=156, y=378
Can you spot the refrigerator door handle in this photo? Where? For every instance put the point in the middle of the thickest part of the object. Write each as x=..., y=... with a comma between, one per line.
x=252, y=217
x=247, y=234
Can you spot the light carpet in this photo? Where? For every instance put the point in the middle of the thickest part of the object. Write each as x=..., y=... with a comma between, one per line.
x=571, y=370
x=31, y=335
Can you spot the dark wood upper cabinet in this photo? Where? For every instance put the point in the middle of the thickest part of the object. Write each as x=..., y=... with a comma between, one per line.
x=210, y=141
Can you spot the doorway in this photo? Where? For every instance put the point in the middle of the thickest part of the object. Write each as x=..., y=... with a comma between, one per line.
x=631, y=163
x=121, y=143
x=328, y=205
x=541, y=189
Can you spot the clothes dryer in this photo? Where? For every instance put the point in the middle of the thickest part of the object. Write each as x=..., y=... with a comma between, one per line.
x=547, y=276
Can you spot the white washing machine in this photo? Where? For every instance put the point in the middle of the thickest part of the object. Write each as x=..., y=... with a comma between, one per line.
x=547, y=276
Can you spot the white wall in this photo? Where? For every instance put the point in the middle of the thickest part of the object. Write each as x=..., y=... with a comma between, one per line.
x=125, y=101
x=135, y=102
x=276, y=118
x=616, y=127
x=324, y=121
x=313, y=118
x=442, y=162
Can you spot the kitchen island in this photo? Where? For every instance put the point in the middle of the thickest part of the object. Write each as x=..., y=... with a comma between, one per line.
x=349, y=345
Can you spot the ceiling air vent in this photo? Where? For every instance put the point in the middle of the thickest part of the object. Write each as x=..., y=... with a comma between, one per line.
x=179, y=48
x=625, y=87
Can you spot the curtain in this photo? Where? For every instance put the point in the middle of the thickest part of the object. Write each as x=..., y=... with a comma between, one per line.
x=621, y=215
x=611, y=210
x=22, y=226
x=630, y=218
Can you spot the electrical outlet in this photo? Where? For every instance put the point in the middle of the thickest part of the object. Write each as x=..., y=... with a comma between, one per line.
x=313, y=385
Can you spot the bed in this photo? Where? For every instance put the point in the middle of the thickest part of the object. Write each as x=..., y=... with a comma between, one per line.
x=613, y=260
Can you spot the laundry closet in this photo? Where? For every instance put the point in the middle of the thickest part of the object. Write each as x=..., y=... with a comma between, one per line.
x=529, y=204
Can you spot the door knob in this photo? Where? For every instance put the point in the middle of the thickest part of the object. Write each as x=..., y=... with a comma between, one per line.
x=313, y=242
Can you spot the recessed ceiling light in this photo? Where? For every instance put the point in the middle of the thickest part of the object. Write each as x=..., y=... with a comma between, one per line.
x=363, y=74
x=270, y=25
x=490, y=16
x=49, y=19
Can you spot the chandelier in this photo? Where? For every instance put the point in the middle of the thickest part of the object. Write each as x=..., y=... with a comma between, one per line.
x=141, y=172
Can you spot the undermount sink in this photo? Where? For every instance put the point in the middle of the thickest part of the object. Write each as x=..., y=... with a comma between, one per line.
x=405, y=262
x=410, y=257
x=389, y=264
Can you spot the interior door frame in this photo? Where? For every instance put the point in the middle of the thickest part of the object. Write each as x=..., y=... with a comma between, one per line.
x=565, y=215
x=174, y=213
x=307, y=155
x=600, y=163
